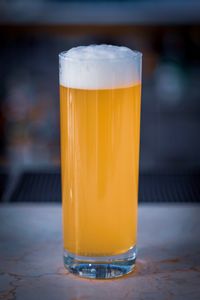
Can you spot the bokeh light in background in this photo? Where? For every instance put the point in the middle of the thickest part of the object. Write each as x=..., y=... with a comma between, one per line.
x=32, y=35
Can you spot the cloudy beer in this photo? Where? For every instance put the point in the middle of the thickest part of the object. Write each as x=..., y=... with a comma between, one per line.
x=100, y=125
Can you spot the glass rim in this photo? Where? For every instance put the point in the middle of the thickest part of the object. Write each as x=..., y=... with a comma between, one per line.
x=136, y=55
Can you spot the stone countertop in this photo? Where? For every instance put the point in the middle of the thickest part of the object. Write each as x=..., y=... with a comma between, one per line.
x=31, y=266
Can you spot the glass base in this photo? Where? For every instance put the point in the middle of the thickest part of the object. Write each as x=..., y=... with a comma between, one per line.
x=100, y=267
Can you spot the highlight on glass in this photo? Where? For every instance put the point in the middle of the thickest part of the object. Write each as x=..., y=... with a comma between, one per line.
x=100, y=99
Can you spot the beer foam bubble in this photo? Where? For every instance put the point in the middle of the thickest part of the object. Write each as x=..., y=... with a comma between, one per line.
x=99, y=67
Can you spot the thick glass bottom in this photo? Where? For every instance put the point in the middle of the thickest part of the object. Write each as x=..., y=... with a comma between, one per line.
x=100, y=267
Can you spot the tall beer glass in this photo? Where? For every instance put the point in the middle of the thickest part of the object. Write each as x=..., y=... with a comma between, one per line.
x=100, y=87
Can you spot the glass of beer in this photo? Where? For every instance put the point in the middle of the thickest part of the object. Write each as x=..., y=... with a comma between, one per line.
x=100, y=89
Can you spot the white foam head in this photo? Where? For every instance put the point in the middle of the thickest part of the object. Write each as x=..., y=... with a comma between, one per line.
x=99, y=67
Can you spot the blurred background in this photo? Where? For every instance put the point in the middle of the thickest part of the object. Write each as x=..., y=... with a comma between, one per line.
x=32, y=33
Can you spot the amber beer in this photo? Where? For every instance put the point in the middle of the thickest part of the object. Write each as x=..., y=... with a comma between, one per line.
x=100, y=128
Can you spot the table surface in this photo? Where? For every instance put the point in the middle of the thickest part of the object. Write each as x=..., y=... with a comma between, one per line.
x=31, y=266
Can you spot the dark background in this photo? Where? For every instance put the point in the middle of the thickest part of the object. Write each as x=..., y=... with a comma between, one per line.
x=32, y=33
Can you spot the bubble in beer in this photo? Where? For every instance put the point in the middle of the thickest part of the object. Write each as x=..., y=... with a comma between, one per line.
x=99, y=67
